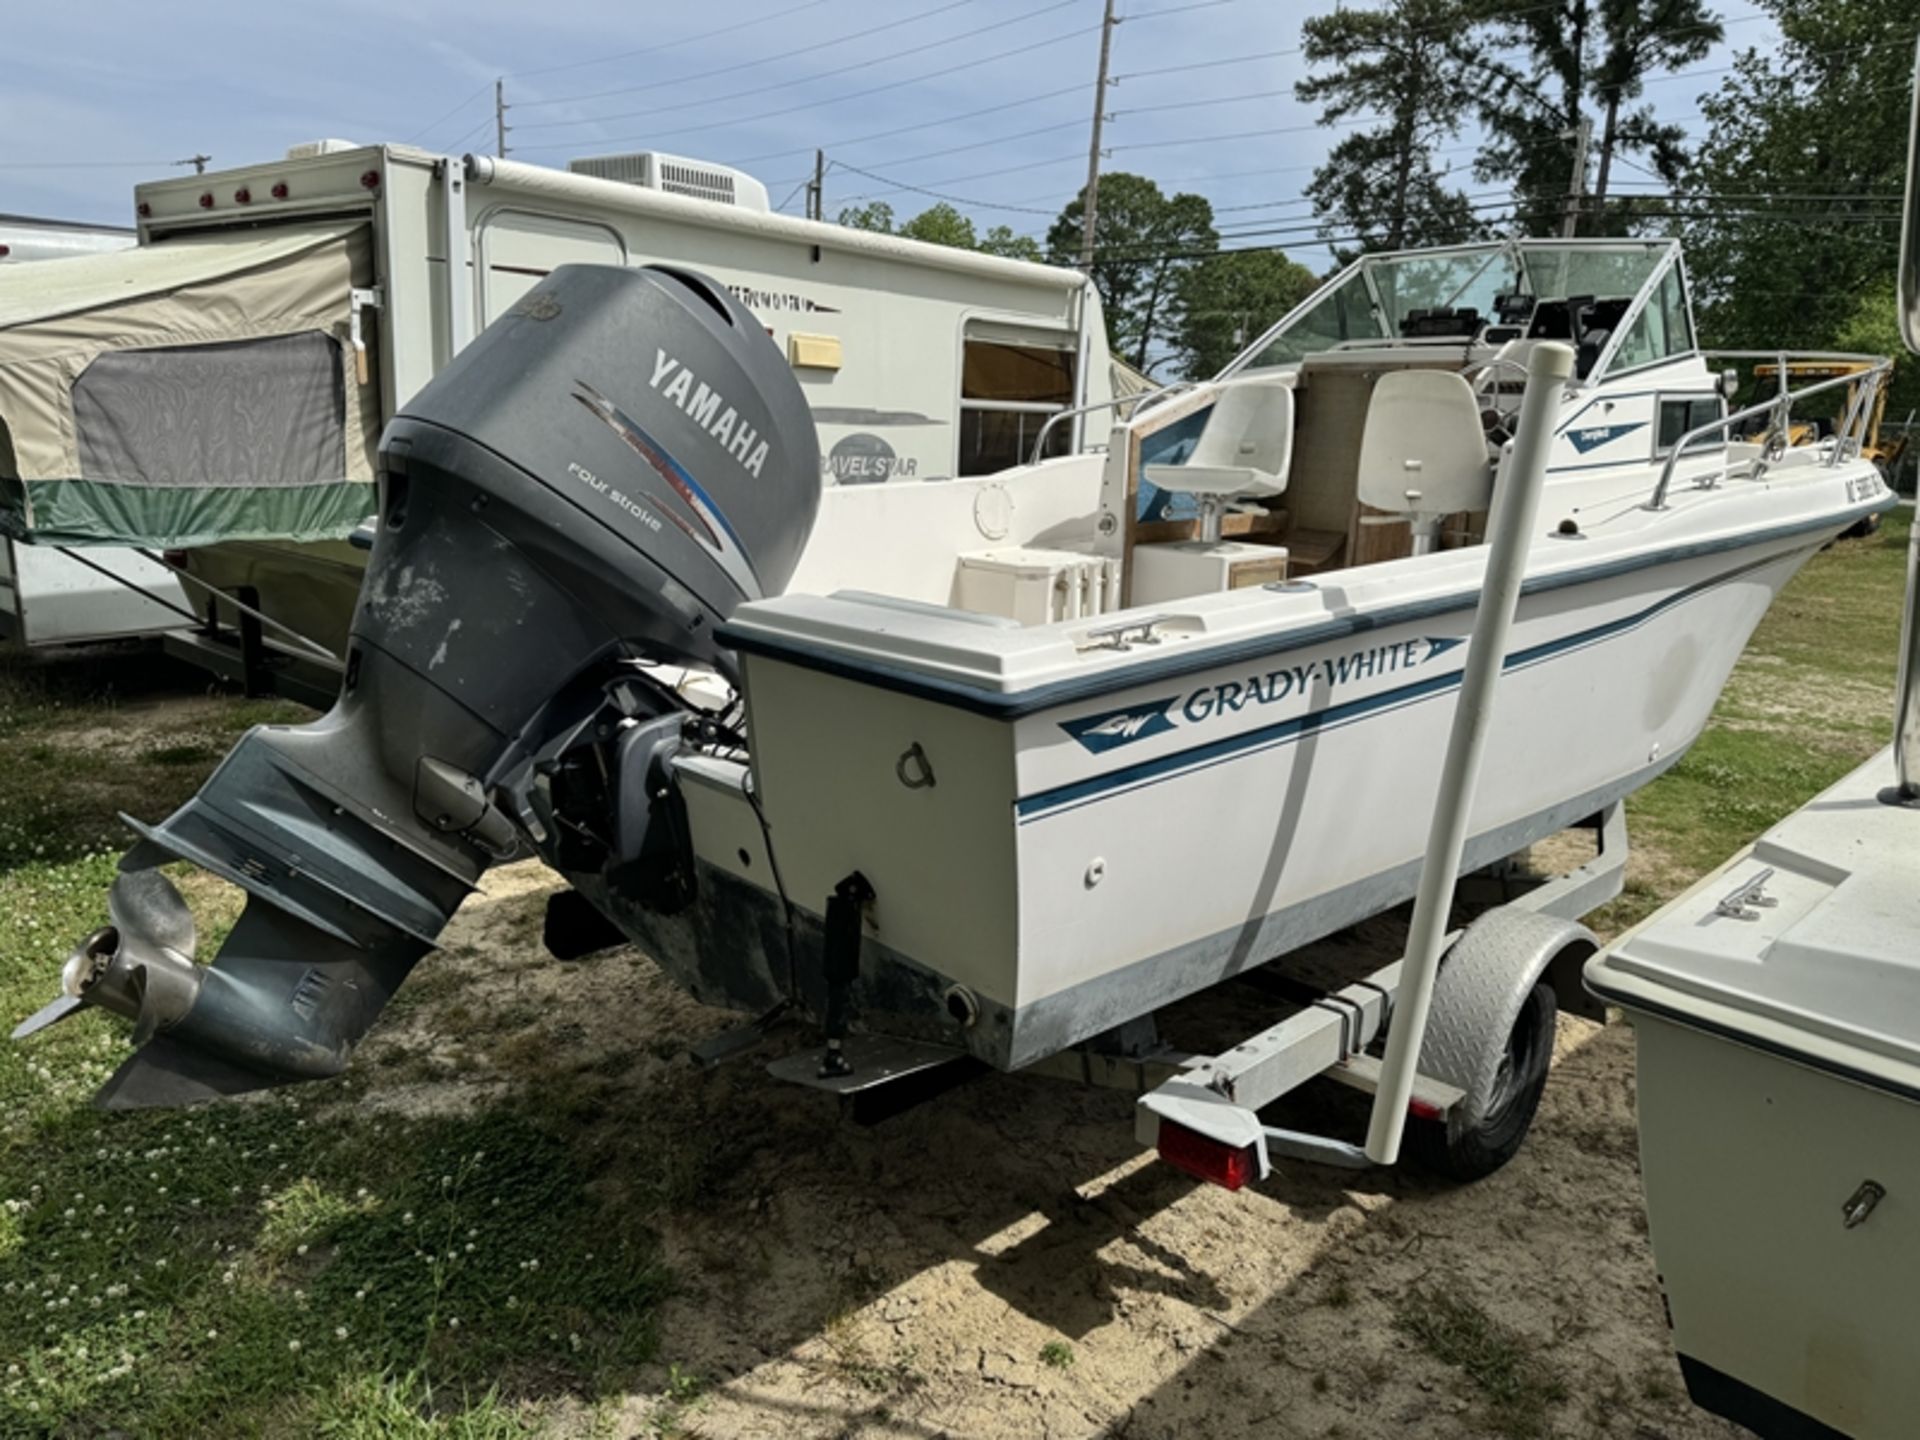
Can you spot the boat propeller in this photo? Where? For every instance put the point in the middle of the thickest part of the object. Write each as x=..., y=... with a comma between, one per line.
x=140, y=965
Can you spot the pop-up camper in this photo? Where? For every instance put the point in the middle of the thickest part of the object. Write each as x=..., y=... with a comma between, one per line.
x=220, y=389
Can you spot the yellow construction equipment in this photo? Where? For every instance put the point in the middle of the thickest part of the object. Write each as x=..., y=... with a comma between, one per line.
x=1886, y=455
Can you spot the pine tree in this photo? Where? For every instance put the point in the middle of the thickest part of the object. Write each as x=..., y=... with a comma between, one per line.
x=1379, y=186
x=1583, y=60
x=1144, y=243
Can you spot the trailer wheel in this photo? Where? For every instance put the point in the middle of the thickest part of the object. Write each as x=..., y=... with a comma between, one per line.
x=1490, y=1033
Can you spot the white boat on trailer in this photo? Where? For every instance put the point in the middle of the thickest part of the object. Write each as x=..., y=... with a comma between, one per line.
x=952, y=835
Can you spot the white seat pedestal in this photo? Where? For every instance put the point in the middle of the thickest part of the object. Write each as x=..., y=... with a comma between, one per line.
x=1183, y=569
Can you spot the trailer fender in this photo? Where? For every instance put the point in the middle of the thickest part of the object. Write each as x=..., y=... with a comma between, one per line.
x=1486, y=977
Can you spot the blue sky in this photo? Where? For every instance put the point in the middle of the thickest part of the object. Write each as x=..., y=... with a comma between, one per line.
x=984, y=100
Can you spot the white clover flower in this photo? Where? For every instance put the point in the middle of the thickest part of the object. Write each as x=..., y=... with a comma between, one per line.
x=339, y=1332
x=213, y=1334
x=454, y=1323
x=359, y=1294
x=300, y=1250
x=294, y=1345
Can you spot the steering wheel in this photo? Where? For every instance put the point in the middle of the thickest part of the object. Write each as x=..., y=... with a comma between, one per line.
x=1493, y=401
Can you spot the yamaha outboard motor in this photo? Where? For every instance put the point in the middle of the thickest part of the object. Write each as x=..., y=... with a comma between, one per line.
x=586, y=491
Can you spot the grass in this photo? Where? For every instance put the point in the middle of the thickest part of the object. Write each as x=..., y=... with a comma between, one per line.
x=311, y=1263
x=1516, y=1388
x=288, y=1266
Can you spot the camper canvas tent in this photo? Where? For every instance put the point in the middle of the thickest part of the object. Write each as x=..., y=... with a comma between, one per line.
x=202, y=389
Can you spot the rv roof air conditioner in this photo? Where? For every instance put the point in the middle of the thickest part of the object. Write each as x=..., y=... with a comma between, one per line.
x=677, y=175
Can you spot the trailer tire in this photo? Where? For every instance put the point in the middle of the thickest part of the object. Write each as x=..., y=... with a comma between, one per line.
x=1490, y=1033
x=1463, y=1149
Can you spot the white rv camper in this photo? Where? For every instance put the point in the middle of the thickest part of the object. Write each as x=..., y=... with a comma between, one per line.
x=47, y=597
x=921, y=363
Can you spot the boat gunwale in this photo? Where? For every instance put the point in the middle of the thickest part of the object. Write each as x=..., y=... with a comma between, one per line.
x=1052, y=694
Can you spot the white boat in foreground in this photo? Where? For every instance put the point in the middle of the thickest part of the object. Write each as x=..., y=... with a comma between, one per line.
x=1778, y=1075
x=1776, y=1016
x=1015, y=760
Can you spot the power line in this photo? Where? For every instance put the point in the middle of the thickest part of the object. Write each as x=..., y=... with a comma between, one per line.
x=425, y=130
x=85, y=164
x=670, y=44
x=909, y=129
x=1312, y=235
x=937, y=195
x=736, y=68
x=864, y=94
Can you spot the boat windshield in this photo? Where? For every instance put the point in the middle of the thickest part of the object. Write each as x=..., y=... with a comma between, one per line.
x=1390, y=296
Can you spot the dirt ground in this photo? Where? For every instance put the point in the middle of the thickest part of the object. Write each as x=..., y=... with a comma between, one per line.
x=1004, y=1261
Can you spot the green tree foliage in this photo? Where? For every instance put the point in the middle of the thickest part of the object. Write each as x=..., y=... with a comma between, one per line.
x=1145, y=242
x=1874, y=329
x=942, y=225
x=1822, y=112
x=1001, y=240
x=1228, y=299
x=877, y=215
x=1580, y=60
x=1379, y=186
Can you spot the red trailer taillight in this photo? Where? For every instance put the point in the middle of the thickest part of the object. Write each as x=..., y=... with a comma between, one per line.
x=1205, y=1158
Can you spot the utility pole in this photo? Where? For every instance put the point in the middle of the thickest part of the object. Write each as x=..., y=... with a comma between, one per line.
x=1091, y=209
x=198, y=162
x=500, y=117
x=817, y=187
x=1582, y=136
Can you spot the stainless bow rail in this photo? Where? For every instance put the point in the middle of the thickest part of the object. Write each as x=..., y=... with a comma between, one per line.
x=1845, y=441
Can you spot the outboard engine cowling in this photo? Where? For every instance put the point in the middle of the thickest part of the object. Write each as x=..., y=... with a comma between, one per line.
x=590, y=487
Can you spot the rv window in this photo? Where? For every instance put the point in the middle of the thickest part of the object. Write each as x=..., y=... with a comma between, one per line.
x=1007, y=391
x=241, y=412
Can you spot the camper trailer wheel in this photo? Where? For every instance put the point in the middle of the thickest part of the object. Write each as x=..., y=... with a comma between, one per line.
x=1490, y=1033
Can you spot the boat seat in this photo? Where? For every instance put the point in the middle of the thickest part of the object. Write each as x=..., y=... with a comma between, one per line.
x=1423, y=452
x=1244, y=451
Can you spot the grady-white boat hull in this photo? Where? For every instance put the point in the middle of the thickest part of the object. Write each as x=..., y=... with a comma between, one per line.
x=1052, y=859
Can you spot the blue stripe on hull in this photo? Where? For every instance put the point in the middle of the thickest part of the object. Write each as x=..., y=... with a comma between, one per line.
x=1073, y=796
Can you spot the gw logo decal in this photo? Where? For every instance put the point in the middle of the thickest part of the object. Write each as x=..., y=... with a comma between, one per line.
x=1595, y=436
x=1111, y=729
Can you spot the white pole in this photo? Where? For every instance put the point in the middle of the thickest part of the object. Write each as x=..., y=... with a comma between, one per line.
x=1516, y=507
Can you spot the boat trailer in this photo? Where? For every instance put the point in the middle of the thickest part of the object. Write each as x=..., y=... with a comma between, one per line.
x=1450, y=1032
